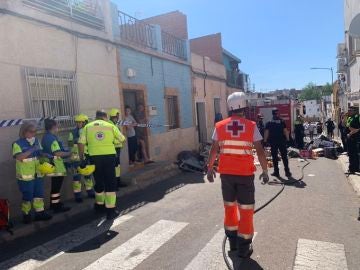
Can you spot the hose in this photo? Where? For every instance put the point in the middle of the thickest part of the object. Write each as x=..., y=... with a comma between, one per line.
x=283, y=185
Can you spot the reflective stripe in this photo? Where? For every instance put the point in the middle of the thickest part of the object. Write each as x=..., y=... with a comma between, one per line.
x=56, y=174
x=230, y=203
x=236, y=151
x=56, y=157
x=26, y=177
x=231, y=228
x=27, y=160
x=55, y=201
x=54, y=195
x=236, y=143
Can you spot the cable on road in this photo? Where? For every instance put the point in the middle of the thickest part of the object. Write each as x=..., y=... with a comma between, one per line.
x=283, y=185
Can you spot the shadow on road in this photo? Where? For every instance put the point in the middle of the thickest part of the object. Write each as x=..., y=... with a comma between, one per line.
x=243, y=264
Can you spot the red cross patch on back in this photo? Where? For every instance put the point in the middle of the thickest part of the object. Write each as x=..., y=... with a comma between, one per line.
x=235, y=128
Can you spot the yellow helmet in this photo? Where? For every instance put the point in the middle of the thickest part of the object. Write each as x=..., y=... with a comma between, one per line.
x=88, y=170
x=46, y=168
x=81, y=118
x=114, y=112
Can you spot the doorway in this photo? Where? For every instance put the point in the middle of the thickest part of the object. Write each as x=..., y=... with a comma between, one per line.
x=201, y=121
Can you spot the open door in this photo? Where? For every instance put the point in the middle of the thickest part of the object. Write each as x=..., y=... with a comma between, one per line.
x=201, y=121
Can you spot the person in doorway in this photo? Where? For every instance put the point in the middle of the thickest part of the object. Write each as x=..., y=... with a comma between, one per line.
x=27, y=152
x=54, y=147
x=342, y=130
x=131, y=135
x=330, y=127
x=235, y=137
x=353, y=138
x=141, y=133
x=277, y=135
x=114, y=116
x=299, y=132
x=100, y=137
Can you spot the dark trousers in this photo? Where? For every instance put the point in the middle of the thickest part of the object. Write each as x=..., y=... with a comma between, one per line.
x=275, y=148
x=299, y=139
x=104, y=173
x=56, y=184
x=344, y=141
x=132, y=145
x=353, y=155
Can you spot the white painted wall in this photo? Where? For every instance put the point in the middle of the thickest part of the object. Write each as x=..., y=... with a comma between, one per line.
x=312, y=108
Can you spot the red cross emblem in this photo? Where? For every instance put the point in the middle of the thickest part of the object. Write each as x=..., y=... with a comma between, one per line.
x=235, y=128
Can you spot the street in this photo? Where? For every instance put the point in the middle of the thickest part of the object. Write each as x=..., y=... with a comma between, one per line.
x=177, y=224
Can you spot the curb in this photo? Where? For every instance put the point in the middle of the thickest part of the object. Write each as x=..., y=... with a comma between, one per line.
x=136, y=182
x=354, y=180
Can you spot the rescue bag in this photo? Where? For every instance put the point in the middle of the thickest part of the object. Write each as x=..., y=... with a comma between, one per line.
x=5, y=223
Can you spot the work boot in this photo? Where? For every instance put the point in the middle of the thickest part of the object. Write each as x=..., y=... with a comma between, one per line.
x=42, y=216
x=99, y=208
x=288, y=173
x=233, y=243
x=111, y=213
x=245, y=249
x=60, y=208
x=27, y=219
x=275, y=174
x=91, y=194
x=79, y=200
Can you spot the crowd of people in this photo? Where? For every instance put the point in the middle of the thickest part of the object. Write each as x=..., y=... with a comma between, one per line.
x=92, y=157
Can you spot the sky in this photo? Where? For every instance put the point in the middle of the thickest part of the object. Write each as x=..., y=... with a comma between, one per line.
x=278, y=41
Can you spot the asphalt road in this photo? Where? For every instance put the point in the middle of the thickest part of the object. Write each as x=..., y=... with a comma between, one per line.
x=177, y=224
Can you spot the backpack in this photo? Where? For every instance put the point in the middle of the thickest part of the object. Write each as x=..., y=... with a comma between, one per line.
x=5, y=223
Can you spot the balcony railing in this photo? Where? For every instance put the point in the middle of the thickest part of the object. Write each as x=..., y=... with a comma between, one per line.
x=137, y=32
x=341, y=50
x=235, y=79
x=173, y=46
x=87, y=12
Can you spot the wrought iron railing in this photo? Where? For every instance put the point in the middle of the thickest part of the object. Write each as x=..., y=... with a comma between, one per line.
x=87, y=12
x=235, y=79
x=173, y=46
x=137, y=32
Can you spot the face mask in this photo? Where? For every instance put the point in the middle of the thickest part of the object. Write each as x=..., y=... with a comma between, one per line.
x=31, y=140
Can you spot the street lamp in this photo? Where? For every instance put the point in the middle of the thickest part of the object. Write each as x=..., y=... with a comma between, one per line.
x=332, y=73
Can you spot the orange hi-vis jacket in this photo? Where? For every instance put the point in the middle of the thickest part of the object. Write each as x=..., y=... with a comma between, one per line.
x=236, y=136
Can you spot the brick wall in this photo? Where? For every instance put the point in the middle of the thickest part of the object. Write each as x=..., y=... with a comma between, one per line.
x=210, y=46
x=174, y=23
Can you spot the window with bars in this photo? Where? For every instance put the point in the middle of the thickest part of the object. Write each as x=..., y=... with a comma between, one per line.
x=51, y=93
x=173, y=111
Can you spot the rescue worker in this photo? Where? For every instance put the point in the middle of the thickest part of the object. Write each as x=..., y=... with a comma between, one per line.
x=27, y=152
x=54, y=147
x=277, y=135
x=114, y=116
x=353, y=135
x=299, y=132
x=80, y=120
x=235, y=137
x=100, y=137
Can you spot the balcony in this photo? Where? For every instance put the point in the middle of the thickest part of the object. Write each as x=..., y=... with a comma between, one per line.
x=341, y=65
x=341, y=51
x=173, y=46
x=235, y=79
x=86, y=12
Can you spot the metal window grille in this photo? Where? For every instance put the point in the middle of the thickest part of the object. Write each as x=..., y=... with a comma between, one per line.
x=173, y=45
x=136, y=32
x=51, y=93
x=173, y=111
x=87, y=12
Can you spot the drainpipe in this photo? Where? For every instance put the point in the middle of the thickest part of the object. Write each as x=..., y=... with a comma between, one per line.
x=205, y=76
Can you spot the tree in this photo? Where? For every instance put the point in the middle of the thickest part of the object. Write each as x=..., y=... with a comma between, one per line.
x=312, y=91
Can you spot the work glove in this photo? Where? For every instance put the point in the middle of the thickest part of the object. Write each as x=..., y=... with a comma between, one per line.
x=211, y=175
x=83, y=164
x=264, y=177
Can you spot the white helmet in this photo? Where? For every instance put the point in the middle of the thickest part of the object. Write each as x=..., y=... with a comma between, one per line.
x=237, y=100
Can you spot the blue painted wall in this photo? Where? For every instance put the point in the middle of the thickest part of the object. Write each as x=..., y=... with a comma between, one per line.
x=157, y=74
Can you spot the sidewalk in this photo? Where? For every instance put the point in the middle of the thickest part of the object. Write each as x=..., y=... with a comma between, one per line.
x=137, y=180
x=354, y=180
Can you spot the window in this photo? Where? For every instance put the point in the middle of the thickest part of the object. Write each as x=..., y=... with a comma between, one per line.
x=217, y=109
x=50, y=93
x=173, y=111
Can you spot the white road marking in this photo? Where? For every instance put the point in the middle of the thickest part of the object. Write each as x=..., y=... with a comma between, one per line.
x=40, y=255
x=130, y=254
x=211, y=257
x=320, y=256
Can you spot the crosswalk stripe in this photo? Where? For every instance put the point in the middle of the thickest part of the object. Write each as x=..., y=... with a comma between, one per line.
x=319, y=255
x=137, y=249
x=42, y=254
x=211, y=257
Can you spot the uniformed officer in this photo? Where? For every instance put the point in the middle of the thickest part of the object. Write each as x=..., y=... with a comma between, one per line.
x=235, y=137
x=353, y=136
x=114, y=116
x=100, y=137
x=277, y=135
x=299, y=132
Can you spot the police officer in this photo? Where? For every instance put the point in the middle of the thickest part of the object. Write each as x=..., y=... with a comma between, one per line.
x=299, y=132
x=277, y=135
x=100, y=137
x=353, y=135
x=235, y=137
x=114, y=116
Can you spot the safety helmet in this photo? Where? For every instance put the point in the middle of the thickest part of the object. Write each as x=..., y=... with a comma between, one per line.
x=46, y=168
x=81, y=118
x=114, y=112
x=236, y=101
x=88, y=170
